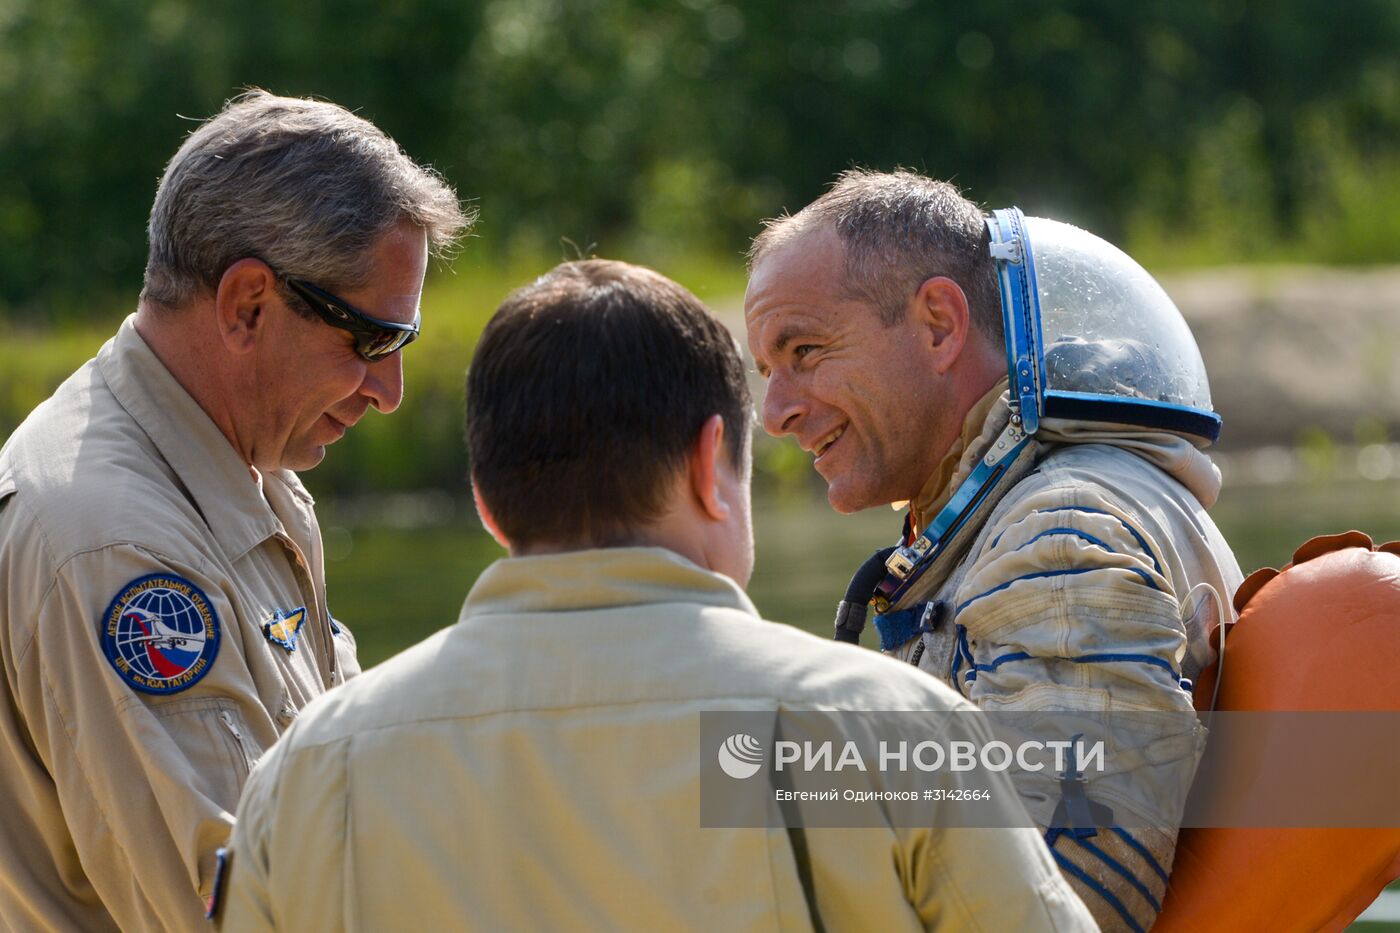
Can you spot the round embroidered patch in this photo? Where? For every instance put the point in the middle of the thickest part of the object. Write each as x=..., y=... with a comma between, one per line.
x=161, y=633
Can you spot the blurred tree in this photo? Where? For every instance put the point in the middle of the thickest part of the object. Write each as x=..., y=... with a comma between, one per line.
x=1196, y=130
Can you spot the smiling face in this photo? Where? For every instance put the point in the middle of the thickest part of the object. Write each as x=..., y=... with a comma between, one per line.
x=869, y=401
x=308, y=384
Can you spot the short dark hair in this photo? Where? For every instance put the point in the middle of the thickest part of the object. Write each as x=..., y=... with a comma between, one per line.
x=585, y=393
x=899, y=229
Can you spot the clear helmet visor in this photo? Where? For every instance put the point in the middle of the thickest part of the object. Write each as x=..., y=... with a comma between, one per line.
x=1106, y=327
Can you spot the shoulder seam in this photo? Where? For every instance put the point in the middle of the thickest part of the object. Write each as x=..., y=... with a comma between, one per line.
x=202, y=567
x=1074, y=497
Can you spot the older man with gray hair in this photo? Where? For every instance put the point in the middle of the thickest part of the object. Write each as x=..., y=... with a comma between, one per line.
x=163, y=610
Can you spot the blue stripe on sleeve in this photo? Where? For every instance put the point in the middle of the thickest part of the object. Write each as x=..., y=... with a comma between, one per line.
x=1120, y=658
x=1137, y=535
x=1089, y=882
x=1121, y=869
x=1054, y=573
x=1142, y=850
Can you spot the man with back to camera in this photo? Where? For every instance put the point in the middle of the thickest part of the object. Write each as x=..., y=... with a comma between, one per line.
x=163, y=608
x=1069, y=566
x=536, y=766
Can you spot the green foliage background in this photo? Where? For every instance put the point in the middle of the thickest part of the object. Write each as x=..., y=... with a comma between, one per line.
x=1196, y=131
x=1190, y=132
x=662, y=132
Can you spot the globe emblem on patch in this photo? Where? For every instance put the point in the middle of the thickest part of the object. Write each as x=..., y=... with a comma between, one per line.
x=741, y=756
x=160, y=633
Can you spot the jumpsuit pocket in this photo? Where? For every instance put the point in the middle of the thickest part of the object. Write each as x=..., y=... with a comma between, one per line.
x=212, y=735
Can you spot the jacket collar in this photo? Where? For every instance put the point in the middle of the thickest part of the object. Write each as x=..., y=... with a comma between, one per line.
x=599, y=579
x=1173, y=454
x=979, y=429
x=216, y=477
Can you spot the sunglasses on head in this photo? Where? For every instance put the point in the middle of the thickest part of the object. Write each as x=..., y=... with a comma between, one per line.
x=374, y=338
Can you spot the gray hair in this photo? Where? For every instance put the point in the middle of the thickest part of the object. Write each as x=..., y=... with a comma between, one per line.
x=898, y=230
x=304, y=185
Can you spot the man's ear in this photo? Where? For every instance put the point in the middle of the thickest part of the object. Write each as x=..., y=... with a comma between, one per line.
x=487, y=518
x=244, y=289
x=940, y=309
x=703, y=469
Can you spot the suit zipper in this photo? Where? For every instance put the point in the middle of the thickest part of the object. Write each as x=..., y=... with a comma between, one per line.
x=248, y=755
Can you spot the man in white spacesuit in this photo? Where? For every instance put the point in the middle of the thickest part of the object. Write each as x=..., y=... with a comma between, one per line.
x=1037, y=400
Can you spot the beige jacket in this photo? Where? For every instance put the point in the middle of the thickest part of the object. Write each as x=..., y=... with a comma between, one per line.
x=1090, y=585
x=139, y=567
x=537, y=767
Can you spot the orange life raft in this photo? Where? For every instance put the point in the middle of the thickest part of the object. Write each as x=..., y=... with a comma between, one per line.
x=1298, y=879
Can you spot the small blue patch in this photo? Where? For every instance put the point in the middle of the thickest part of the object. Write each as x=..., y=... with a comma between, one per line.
x=284, y=628
x=223, y=856
x=160, y=633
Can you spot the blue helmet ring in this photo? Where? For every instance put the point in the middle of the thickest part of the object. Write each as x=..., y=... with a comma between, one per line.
x=1091, y=336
